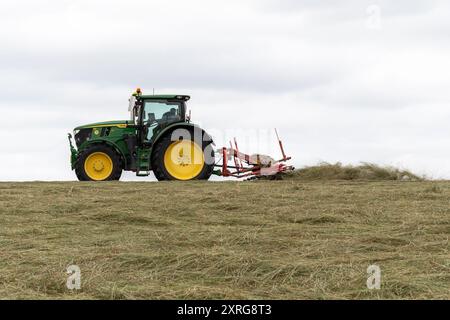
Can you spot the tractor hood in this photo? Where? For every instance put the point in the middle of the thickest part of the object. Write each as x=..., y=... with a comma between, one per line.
x=117, y=123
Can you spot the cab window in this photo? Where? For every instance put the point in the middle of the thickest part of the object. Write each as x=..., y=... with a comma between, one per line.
x=160, y=112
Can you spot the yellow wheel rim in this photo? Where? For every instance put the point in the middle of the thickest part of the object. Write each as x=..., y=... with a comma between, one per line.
x=184, y=160
x=98, y=166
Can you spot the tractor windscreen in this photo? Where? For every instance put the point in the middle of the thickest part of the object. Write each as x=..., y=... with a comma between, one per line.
x=161, y=112
x=157, y=114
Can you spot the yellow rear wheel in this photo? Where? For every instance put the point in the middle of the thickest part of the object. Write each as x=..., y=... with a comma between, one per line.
x=184, y=159
x=98, y=166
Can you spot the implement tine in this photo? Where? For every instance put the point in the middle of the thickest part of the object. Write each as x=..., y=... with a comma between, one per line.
x=281, y=145
x=276, y=132
x=237, y=149
x=235, y=154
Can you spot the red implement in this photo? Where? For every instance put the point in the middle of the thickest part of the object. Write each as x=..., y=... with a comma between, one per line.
x=255, y=166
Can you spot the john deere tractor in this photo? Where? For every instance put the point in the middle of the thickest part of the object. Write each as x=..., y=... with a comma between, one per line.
x=158, y=137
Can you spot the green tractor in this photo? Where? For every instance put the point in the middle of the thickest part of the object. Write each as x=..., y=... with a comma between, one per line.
x=158, y=137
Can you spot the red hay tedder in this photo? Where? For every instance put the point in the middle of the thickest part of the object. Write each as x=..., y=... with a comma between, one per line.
x=251, y=166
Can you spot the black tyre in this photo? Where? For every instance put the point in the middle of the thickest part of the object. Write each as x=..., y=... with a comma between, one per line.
x=98, y=163
x=182, y=159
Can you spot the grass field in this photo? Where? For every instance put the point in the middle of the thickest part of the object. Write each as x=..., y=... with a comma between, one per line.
x=266, y=239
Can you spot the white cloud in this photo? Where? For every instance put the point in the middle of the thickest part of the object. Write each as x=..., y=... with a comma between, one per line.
x=337, y=90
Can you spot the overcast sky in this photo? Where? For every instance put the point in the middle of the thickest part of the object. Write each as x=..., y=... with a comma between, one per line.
x=345, y=81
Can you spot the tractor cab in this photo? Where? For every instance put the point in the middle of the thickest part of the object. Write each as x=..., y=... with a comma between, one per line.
x=153, y=113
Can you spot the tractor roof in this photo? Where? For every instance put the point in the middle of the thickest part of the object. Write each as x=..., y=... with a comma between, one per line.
x=166, y=97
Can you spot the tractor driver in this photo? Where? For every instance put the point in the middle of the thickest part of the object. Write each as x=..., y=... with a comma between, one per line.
x=170, y=116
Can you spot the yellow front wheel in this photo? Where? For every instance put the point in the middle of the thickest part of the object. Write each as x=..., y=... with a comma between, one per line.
x=98, y=166
x=98, y=163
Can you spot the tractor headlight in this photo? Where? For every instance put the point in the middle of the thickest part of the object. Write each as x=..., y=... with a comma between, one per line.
x=185, y=98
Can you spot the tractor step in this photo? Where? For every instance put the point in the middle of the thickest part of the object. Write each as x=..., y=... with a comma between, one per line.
x=143, y=173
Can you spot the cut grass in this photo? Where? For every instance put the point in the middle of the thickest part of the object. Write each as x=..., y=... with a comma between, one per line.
x=364, y=171
x=235, y=240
